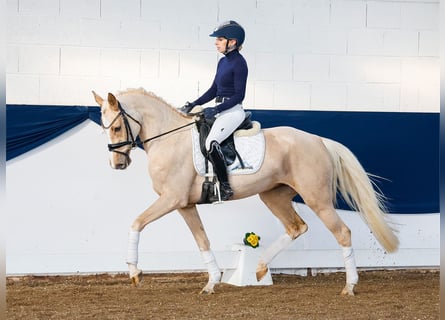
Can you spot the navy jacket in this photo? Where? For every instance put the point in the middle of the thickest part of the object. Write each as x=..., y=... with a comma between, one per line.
x=230, y=82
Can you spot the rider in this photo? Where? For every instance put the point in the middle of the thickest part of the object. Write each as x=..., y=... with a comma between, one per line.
x=228, y=89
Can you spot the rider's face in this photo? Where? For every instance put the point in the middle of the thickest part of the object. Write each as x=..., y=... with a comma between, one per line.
x=221, y=44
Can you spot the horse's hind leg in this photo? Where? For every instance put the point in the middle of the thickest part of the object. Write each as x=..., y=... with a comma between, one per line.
x=329, y=216
x=279, y=201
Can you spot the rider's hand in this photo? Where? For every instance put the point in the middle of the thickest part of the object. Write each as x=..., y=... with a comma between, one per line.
x=209, y=113
x=187, y=107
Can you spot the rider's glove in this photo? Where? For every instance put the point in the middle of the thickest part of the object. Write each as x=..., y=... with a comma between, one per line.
x=187, y=107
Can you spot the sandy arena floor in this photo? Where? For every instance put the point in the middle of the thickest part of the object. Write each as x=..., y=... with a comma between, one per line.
x=379, y=295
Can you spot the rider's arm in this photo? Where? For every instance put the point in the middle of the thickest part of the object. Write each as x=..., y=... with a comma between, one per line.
x=210, y=94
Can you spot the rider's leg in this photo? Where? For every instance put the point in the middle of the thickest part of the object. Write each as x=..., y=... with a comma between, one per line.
x=226, y=122
x=219, y=166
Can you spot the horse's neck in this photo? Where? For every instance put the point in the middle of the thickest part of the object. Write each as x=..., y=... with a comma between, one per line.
x=159, y=118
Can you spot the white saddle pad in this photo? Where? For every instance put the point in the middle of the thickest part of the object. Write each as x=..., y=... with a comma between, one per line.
x=250, y=148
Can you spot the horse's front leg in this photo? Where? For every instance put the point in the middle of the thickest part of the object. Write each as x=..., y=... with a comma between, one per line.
x=191, y=217
x=132, y=257
x=159, y=208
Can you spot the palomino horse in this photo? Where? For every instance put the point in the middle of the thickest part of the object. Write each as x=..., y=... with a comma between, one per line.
x=295, y=162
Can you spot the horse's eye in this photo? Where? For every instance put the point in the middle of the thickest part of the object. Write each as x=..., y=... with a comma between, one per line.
x=117, y=129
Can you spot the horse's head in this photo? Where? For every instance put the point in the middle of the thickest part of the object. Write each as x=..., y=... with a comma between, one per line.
x=122, y=129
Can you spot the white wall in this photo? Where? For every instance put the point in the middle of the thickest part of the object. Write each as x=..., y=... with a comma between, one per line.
x=302, y=54
x=69, y=212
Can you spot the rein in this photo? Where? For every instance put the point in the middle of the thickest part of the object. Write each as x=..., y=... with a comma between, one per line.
x=165, y=133
x=133, y=142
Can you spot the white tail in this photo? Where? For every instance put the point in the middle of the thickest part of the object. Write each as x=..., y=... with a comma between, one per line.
x=356, y=188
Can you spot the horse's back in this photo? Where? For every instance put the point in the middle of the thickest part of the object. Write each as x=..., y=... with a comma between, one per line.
x=297, y=155
x=293, y=138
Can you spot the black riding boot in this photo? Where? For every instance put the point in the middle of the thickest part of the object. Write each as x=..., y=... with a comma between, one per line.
x=219, y=167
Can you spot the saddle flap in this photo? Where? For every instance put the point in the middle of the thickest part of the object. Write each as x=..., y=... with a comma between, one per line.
x=250, y=145
x=227, y=146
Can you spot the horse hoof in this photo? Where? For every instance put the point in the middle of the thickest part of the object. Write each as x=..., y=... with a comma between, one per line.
x=348, y=290
x=261, y=271
x=136, y=279
x=208, y=289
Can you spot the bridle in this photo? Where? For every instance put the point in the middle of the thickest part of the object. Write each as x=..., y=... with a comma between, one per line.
x=131, y=140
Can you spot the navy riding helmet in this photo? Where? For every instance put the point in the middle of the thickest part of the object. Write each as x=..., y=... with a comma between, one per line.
x=230, y=30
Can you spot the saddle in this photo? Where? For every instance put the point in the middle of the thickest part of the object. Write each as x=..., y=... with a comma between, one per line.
x=227, y=146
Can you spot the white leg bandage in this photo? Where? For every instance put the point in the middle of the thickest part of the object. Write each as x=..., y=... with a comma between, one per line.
x=275, y=248
x=351, y=269
x=133, y=242
x=212, y=266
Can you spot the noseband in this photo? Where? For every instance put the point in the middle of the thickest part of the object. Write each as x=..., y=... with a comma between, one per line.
x=131, y=141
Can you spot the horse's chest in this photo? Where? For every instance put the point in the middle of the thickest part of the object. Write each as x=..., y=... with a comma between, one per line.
x=163, y=162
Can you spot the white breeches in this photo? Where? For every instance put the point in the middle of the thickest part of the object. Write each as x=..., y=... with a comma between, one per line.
x=225, y=124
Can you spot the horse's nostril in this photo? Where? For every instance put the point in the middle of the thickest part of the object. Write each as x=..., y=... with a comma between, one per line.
x=121, y=166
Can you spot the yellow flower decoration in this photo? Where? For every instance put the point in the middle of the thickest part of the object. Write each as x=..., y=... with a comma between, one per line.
x=251, y=239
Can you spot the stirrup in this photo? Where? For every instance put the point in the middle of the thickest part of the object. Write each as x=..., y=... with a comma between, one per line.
x=217, y=193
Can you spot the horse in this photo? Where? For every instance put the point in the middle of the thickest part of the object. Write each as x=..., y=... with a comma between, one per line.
x=295, y=163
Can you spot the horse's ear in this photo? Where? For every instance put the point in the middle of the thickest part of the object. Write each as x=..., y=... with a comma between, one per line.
x=112, y=101
x=98, y=98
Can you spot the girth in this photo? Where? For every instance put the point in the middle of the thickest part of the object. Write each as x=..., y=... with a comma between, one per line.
x=228, y=145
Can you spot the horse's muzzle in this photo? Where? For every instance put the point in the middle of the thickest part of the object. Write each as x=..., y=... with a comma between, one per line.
x=120, y=165
x=120, y=160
